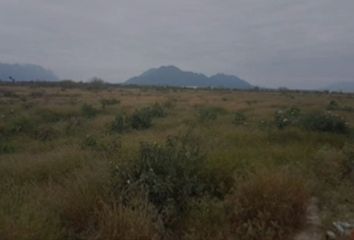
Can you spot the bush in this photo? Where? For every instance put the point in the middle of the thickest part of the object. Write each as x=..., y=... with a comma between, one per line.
x=332, y=105
x=6, y=148
x=119, y=123
x=89, y=142
x=171, y=174
x=108, y=102
x=102, y=144
x=268, y=205
x=284, y=118
x=206, y=114
x=88, y=111
x=157, y=111
x=324, y=122
x=239, y=118
x=141, y=119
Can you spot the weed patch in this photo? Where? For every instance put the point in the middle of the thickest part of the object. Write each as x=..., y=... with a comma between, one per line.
x=268, y=205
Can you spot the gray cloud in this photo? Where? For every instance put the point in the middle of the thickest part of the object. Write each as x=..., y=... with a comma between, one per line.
x=270, y=43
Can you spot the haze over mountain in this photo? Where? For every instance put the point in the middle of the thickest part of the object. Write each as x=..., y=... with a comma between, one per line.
x=25, y=72
x=341, y=86
x=173, y=76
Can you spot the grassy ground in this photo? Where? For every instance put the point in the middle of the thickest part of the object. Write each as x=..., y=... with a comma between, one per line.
x=139, y=163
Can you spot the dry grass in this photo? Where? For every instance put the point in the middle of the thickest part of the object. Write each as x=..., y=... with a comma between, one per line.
x=268, y=205
x=60, y=187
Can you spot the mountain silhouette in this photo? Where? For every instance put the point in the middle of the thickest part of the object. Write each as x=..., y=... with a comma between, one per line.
x=341, y=86
x=25, y=72
x=173, y=76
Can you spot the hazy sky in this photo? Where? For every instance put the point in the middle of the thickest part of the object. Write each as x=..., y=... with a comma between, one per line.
x=293, y=43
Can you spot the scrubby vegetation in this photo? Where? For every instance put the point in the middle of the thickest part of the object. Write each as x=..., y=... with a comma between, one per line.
x=104, y=162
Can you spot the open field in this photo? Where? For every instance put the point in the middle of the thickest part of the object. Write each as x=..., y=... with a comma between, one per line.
x=155, y=163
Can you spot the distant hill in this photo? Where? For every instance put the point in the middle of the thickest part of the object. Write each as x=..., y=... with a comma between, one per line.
x=341, y=86
x=173, y=76
x=25, y=72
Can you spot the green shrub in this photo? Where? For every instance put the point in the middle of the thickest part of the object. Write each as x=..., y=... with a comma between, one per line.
x=284, y=118
x=157, y=111
x=103, y=144
x=108, y=102
x=88, y=111
x=141, y=119
x=206, y=114
x=119, y=124
x=332, y=105
x=89, y=142
x=171, y=174
x=6, y=148
x=239, y=118
x=96, y=84
x=324, y=122
x=268, y=205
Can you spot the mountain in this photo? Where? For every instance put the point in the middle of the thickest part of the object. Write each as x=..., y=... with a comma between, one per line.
x=229, y=81
x=25, y=72
x=173, y=76
x=341, y=86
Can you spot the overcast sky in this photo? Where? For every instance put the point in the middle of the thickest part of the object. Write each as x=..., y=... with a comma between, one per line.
x=293, y=43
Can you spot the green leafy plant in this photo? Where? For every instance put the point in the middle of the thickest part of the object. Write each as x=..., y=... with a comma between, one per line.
x=6, y=148
x=239, y=118
x=141, y=119
x=119, y=124
x=156, y=110
x=108, y=102
x=206, y=114
x=324, y=122
x=332, y=105
x=170, y=173
x=287, y=117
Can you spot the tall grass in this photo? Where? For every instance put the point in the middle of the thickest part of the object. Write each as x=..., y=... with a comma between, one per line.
x=70, y=170
x=268, y=205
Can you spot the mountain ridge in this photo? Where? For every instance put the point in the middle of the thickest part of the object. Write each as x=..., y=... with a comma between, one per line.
x=347, y=86
x=25, y=72
x=173, y=76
